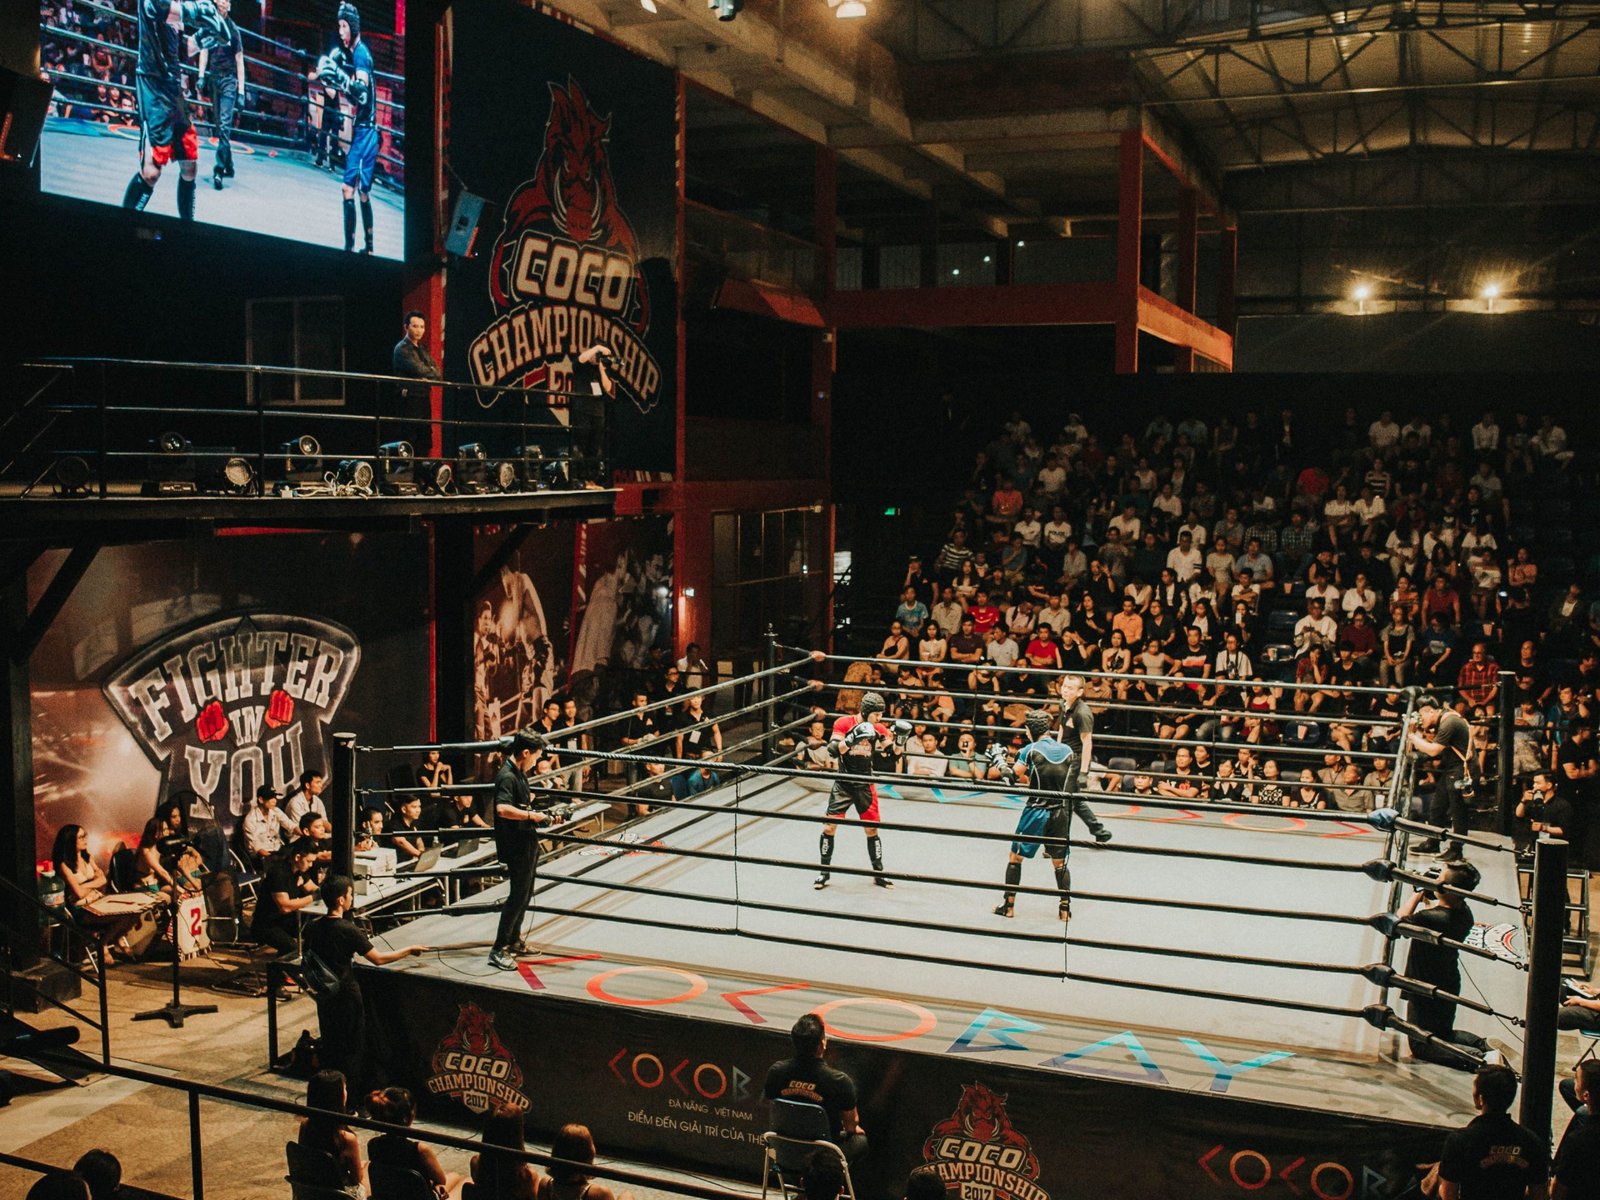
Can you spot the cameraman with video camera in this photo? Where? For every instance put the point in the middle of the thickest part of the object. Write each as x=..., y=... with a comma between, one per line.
x=1442, y=733
x=1447, y=915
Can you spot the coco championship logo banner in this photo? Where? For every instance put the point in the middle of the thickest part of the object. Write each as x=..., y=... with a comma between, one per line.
x=565, y=274
x=236, y=703
x=471, y=1064
x=979, y=1154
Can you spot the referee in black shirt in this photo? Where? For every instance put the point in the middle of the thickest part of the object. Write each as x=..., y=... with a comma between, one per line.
x=516, y=840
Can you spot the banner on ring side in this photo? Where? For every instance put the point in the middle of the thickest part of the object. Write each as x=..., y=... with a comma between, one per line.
x=674, y=1089
x=573, y=140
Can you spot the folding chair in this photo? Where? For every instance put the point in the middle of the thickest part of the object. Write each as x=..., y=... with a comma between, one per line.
x=798, y=1131
x=1593, y=1038
x=397, y=1183
x=313, y=1174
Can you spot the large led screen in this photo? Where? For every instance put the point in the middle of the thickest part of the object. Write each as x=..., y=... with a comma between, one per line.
x=288, y=116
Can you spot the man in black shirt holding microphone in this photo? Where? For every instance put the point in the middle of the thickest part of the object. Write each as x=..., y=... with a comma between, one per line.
x=516, y=840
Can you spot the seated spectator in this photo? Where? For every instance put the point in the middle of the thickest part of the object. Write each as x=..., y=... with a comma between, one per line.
x=166, y=860
x=1316, y=628
x=329, y=1133
x=924, y=759
x=59, y=1185
x=807, y=1078
x=1493, y=1155
x=435, y=772
x=395, y=1106
x=574, y=1147
x=697, y=733
x=498, y=1176
x=369, y=830
x=265, y=827
x=102, y=1171
x=289, y=886
x=933, y=646
x=823, y=1177
x=1270, y=791
x=814, y=755
x=406, y=837
x=306, y=797
x=967, y=762
x=688, y=784
x=912, y=612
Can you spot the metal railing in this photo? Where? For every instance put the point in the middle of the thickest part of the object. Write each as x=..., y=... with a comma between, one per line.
x=25, y=909
x=195, y=1092
x=115, y=413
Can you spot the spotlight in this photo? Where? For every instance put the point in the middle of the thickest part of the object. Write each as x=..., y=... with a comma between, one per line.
x=353, y=474
x=850, y=9
x=302, y=459
x=396, y=468
x=71, y=476
x=435, y=476
x=228, y=474
x=170, y=469
x=1361, y=292
x=648, y=5
x=477, y=474
x=1490, y=293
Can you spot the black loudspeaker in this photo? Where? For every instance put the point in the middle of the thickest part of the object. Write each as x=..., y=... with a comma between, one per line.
x=23, y=104
x=462, y=237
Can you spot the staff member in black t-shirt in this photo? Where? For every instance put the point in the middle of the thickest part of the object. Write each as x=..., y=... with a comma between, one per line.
x=335, y=940
x=516, y=840
x=1448, y=915
x=1492, y=1157
x=1576, y=1175
x=289, y=886
x=807, y=1079
x=1444, y=734
x=1545, y=808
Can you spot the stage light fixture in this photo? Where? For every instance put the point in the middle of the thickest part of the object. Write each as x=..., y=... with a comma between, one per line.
x=1490, y=293
x=228, y=474
x=302, y=459
x=849, y=10
x=171, y=468
x=726, y=10
x=353, y=474
x=435, y=476
x=71, y=476
x=1361, y=292
x=396, y=468
x=648, y=5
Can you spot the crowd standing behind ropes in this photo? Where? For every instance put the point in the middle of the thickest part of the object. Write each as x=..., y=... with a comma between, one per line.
x=1394, y=554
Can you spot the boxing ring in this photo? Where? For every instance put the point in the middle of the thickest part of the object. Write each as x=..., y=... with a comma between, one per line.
x=1223, y=962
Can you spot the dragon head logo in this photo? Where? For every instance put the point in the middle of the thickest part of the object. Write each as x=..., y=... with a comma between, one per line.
x=979, y=1152
x=473, y=1065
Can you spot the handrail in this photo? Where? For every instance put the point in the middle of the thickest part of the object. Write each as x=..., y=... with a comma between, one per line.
x=196, y=1091
x=72, y=361
x=95, y=944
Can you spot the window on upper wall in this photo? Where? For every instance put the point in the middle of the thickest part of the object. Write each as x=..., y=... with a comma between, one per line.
x=303, y=332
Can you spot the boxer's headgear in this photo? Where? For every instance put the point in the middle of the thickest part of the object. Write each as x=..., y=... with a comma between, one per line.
x=871, y=702
x=347, y=12
x=1037, y=723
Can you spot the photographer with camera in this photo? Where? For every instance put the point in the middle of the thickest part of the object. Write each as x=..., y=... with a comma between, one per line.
x=1547, y=811
x=1446, y=914
x=1442, y=733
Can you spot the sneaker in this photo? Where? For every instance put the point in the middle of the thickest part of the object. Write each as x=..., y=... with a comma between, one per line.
x=216, y=180
x=501, y=960
x=1453, y=854
x=884, y=882
x=1431, y=846
x=1102, y=836
x=820, y=882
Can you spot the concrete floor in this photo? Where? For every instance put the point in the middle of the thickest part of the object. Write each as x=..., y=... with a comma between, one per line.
x=148, y=1128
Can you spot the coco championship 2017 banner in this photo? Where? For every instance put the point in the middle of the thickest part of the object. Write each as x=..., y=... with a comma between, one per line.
x=571, y=139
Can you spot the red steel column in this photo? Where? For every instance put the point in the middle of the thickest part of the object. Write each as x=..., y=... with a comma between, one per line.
x=1130, y=212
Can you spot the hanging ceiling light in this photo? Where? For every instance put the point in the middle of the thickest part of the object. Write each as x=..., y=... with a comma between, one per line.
x=847, y=10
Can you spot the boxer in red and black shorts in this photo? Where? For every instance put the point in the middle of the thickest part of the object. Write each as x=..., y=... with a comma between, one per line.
x=167, y=134
x=853, y=742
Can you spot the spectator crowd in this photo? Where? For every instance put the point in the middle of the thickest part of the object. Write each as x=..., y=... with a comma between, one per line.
x=1197, y=567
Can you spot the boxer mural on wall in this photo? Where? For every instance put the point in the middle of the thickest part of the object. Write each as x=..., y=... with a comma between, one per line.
x=565, y=272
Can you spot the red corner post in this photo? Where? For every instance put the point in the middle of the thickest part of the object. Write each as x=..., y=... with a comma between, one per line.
x=1130, y=220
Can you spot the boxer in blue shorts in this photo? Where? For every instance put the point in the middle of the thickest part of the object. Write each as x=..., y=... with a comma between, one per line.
x=1049, y=768
x=348, y=71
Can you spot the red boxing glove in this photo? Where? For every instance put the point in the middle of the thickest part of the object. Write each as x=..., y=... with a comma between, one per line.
x=212, y=723
x=280, y=709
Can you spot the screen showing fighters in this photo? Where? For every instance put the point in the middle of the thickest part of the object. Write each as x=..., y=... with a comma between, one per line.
x=232, y=114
